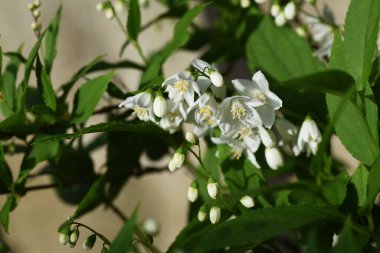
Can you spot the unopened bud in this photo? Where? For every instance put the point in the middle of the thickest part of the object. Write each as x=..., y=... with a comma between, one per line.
x=192, y=192
x=151, y=227
x=274, y=158
x=110, y=14
x=74, y=235
x=280, y=19
x=247, y=201
x=202, y=214
x=101, y=6
x=214, y=214
x=104, y=249
x=89, y=243
x=212, y=188
x=178, y=159
x=31, y=6
x=290, y=10
x=192, y=138
x=35, y=26
x=216, y=78
x=267, y=137
x=160, y=107
x=36, y=13
x=275, y=10
x=37, y=3
x=245, y=3
x=63, y=238
x=301, y=31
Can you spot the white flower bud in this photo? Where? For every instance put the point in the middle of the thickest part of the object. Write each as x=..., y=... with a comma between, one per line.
x=31, y=6
x=214, y=214
x=192, y=192
x=36, y=13
x=89, y=243
x=274, y=158
x=216, y=78
x=100, y=6
x=212, y=188
x=179, y=158
x=74, y=235
x=280, y=19
x=192, y=138
x=35, y=26
x=171, y=166
x=110, y=14
x=151, y=227
x=202, y=214
x=309, y=135
x=301, y=31
x=247, y=201
x=267, y=137
x=260, y=1
x=70, y=244
x=290, y=10
x=37, y=3
x=160, y=107
x=245, y=3
x=275, y=9
x=63, y=238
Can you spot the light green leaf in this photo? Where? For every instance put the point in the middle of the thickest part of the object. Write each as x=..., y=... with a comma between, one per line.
x=123, y=240
x=360, y=181
x=50, y=49
x=360, y=35
x=92, y=199
x=134, y=20
x=352, y=129
x=88, y=96
x=371, y=112
x=280, y=52
x=373, y=182
x=335, y=190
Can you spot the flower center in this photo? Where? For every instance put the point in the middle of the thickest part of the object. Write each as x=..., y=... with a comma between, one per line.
x=205, y=111
x=140, y=111
x=181, y=85
x=258, y=94
x=245, y=132
x=172, y=116
x=237, y=110
x=236, y=154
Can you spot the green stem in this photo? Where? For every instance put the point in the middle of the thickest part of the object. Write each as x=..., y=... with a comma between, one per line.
x=106, y=241
x=370, y=222
x=199, y=159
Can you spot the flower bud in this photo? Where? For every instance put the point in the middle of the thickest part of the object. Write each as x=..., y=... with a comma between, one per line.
x=275, y=9
x=212, y=188
x=290, y=10
x=274, y=158
x=63, y=238
x=36, y=13
x=110, y=14
x=280, y=19
x=192, y=138
x=35, y=26
x=104, y=249
x=267, y=137
x=74, y=235
x=260, y=1
x=160, y=107
x=202, y=214
x=245, y=3
x=179, y=158
x=301, y=31
x=247, y=201
x=171, y=166
x=151, y=227
x=216, y=78
x=31, y=6
x=37, y=3
x=101, y=6
x=214, y=214
x=192, y=192
x=89, y=243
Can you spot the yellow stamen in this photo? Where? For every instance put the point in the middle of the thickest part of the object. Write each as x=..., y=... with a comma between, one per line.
x=245, y=132
x=140, y=111
x=181, y=85
x=237, y=110
x=235, y=154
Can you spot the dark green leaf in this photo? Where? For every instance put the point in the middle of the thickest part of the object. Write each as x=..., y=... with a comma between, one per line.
x=88, y=97
x=371, y=112
x=373, y=181
x=348, y=242
x=5, y=172
x=50, y=50
x=4, y=213
x=92, y=199
x=360, y=181
x=123, y=240
x=16, y=123
x=134, y=20
x=335, y=190
x=280, y=52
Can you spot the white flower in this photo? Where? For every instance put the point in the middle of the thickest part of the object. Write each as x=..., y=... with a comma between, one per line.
x=192, y=138
x=74, y=236
x=212, y=188
x=181, y=87
x=192, y=192
x=214, y=214
x=274, y=158
x=141, y=104
x=309, y=136
x=210, y=71
x=267, y=137
x=264, y=101
x=245, y=3
x=247, y=201
x=286, y=130
x=151, y=226
x=174, y=117
x=63, y=238
x=160, y=107
x=178, y=158
x=202, y=214
x=235, y=113
x=275, y=9
x=205, y=111
x=204, y=83
x=290, y=10
x=280, y=19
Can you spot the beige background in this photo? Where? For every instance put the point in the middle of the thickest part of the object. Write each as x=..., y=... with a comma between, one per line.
x=85, y=34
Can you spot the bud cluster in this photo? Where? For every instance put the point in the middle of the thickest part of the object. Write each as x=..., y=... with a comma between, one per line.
x=34, y=8
x=106, y=7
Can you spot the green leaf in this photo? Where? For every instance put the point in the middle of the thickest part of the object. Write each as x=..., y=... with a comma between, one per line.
x=351, y=120
x=180, y=37
x=16, y=123
x=373, y=182
x=92, y=199
x=50, y=50
x=335, y=190
x=360, y=35
x=371, y=112
x=348, y=242
x=45, y=86
x=329, y=81
x=280, y=52
x=5, y=172
x=4, y=213
x=88, y=97
x=360, y=181
x=134, y=20
x=139, y=127
x=255, y=227
x=123, y=240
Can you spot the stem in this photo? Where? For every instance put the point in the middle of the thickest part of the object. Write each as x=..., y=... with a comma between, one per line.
x=199, y=159
x=138, y=231
x=106, y=241
x=370, y=222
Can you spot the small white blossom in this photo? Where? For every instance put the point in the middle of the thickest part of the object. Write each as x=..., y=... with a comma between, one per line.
x=275, y=9
x=141, y=104
x=192, y=138
x=245, y=3
x=214, y=214
x=280, y=19
x=247, y=201
x=202, y=214
x=64, y=238
x=150, y=226
x=286, y=130
x=212, y=188
x=309, y=136
x=110, y=14
x=192, y=192
x=36, y=13
x=160, y=107
x=267, y=137
x=274, y=158
x=290, y=10
x=178, y=158
x=174, y=116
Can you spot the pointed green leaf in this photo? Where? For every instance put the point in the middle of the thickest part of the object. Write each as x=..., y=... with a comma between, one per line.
x=4, y=213
x=50, y=49
x=45, y=86
x=335, y=190
x=88, y=96
x=134, y=20
x=360, y=181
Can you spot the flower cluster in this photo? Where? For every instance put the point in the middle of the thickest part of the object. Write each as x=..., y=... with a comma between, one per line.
x=36, y=13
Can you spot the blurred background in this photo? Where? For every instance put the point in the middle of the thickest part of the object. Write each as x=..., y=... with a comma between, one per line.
x=85, y=34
